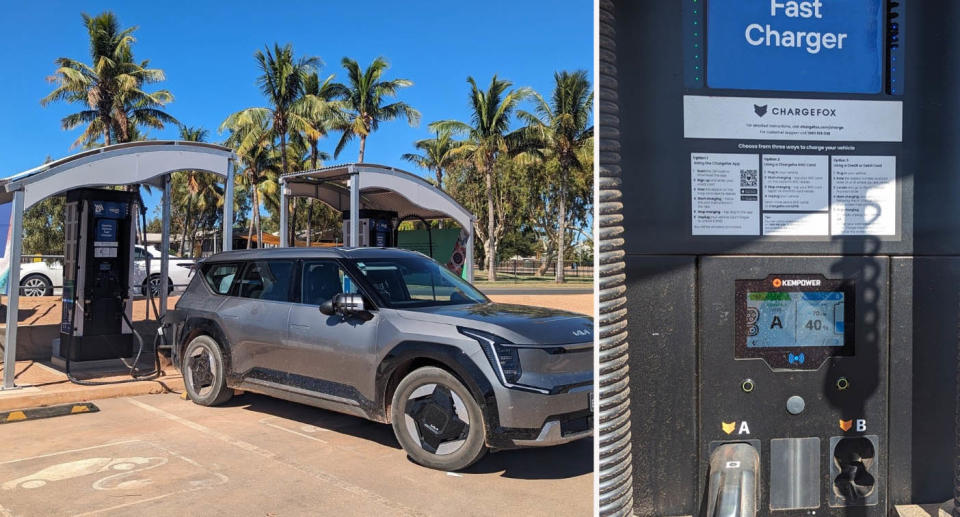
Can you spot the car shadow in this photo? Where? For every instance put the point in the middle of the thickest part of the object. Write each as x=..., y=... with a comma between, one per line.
x=321, y=418
x=559, y=462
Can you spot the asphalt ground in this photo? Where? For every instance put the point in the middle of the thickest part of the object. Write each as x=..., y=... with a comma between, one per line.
x=161, y=455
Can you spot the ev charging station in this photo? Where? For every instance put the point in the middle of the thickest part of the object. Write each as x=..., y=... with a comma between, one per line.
x=787, y=174
x=100, y=232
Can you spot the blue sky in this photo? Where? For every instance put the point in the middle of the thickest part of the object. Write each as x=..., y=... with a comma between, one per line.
x=206, y=50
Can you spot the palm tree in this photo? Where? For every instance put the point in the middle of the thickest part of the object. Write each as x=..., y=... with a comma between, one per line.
x=196, y=191
x=322, y=118
x=487, y=139
x=363, y=103
x=281, y=82
x=110, y=88
x=561, y=130
x=254, y=146
x=438, y=154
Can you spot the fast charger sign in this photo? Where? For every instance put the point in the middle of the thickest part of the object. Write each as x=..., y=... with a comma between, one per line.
x=811, y=46
x=768, y=162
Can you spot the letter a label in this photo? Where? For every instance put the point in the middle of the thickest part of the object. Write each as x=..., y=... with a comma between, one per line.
x=744, y=428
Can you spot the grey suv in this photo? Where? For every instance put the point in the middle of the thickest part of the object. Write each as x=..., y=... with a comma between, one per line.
x=391, y=336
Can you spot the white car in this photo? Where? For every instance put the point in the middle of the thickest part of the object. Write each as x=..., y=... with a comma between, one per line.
x=40, y=278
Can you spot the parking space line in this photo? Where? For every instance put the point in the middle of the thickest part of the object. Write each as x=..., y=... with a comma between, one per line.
x=326, y=477
x=68, y=451
x=204, y=429
x=275, y=426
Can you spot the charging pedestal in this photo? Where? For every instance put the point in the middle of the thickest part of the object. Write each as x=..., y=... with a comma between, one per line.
x=789, y=177
x=99, y=235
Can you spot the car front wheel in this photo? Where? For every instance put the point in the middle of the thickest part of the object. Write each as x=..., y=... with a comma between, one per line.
x=204, y=372
x=436, y=420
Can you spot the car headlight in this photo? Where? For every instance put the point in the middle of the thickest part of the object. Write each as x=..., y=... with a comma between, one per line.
x=505, y=360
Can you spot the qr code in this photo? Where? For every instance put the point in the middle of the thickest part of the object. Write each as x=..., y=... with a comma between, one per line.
x=748, y=178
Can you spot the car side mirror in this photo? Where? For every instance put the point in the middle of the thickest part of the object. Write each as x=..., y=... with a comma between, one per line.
x=327, y=307
x=345, y=304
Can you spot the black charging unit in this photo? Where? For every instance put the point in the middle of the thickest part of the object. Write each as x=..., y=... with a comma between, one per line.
x=99, y=230
x=789, y=174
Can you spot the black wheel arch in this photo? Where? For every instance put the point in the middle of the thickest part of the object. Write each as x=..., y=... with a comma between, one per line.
x=193, y=327
x=410, y=355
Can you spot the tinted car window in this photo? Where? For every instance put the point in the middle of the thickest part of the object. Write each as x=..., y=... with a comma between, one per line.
x=267, y=280
x=417, y=282
x=322, y=280
x=220, y=276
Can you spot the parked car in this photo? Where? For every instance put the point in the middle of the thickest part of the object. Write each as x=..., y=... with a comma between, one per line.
x=391, y=336
x=44, y=278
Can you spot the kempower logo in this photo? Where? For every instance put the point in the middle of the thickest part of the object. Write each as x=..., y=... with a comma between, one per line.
x=795, y=282
x=793, y=111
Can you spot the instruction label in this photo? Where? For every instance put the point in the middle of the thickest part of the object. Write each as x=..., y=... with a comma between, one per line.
x=793, y=224
x=793, y=195
x=864, y=195
x=795, y=182
x=725, y=193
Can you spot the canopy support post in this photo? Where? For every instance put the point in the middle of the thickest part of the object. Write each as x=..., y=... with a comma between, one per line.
x=13, y=293
x=283, y=213
x=354, y=207
x=164, y=245
x=228, y=208
x=469, y=261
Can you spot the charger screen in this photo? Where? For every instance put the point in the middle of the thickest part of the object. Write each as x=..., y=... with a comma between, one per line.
x=791, y=319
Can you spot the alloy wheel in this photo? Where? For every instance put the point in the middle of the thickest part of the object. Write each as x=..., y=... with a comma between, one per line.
x=437, y=418
x=34, y=287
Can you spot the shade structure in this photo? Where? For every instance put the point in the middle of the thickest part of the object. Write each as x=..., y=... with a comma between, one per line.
x=351, y=187
x=144, y=163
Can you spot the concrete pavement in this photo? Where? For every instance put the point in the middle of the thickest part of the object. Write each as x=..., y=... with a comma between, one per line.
x=160, y=455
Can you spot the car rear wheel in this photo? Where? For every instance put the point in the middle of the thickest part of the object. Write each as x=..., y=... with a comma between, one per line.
x=204, y=372
x=153, y=283
x=436, y=420
x=36, y=285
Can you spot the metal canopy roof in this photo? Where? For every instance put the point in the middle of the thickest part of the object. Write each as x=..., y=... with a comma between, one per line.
x=381, y=188
x=120, y=164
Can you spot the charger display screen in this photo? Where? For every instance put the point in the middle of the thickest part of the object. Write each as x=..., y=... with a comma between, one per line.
x=795, y=319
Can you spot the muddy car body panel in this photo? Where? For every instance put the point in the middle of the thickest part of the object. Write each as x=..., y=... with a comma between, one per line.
x=529, y=369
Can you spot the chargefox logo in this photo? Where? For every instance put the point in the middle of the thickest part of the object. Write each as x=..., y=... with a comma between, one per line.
x=760, y=110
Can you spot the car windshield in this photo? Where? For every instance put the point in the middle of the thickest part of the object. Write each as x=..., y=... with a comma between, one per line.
x=408, y=282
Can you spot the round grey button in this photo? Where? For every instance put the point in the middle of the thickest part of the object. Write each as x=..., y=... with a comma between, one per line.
x=795, y=405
